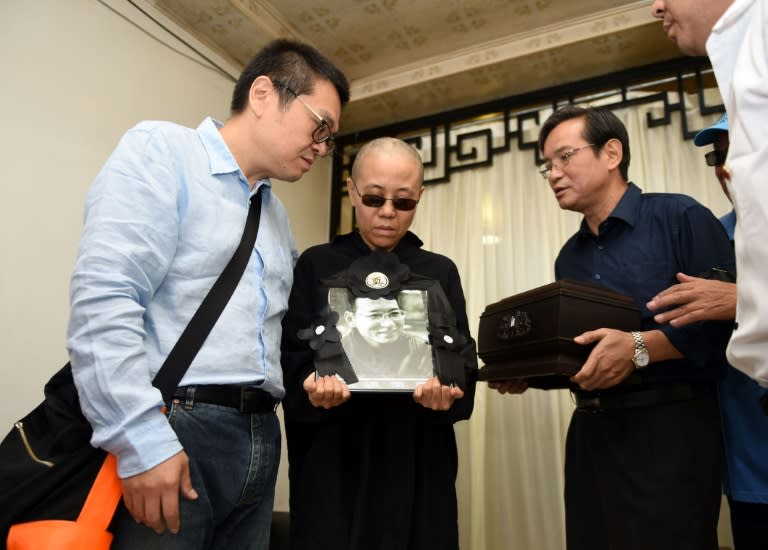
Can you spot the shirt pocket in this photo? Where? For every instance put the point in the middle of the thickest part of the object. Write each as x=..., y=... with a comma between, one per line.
x=649, y=277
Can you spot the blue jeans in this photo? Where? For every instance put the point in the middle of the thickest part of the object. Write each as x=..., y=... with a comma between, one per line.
x=233, y=461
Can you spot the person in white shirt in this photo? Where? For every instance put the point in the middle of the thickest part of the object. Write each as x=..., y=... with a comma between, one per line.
x=734, y=33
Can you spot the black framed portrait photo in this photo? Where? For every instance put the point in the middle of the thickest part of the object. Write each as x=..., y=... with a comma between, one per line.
x=385, y=340
x=381, y=328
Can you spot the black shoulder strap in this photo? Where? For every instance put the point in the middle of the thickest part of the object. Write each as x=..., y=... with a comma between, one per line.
x=198, y=328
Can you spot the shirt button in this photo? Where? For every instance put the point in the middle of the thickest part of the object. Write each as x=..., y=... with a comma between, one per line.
x=600, y=247
x=597, y=276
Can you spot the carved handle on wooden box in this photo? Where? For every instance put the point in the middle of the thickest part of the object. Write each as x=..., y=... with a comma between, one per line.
x=514, y=325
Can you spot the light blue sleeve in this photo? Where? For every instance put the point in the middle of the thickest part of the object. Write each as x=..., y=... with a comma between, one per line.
x=128, y=243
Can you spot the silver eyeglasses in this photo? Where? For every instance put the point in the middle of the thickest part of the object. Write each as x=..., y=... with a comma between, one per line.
x=321, y=134
x=563, y=159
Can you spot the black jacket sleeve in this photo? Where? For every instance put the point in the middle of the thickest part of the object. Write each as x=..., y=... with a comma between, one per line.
x=297, y=358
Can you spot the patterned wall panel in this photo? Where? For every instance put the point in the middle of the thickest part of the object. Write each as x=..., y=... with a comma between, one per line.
x=473, y=137
x=407, y=58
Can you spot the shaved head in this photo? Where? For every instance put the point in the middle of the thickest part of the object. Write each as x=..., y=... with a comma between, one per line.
x=387, y=145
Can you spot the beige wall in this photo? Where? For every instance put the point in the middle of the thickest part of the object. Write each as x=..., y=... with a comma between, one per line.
x=75, y=76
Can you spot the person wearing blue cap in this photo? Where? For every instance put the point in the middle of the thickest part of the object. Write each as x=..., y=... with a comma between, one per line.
x=745, y=429
x=717, y=136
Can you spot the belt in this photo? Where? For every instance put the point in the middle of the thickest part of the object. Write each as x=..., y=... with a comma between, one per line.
x=641, y=398
x=245, y=399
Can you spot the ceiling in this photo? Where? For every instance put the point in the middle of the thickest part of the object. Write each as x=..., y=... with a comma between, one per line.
x=407, y=59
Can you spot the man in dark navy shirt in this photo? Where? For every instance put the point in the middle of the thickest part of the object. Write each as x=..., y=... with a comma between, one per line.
x=643, y=448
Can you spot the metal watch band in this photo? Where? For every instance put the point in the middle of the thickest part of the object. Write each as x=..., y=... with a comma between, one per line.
x=639, y=341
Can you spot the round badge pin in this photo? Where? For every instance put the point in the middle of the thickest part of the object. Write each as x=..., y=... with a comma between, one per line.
x=376, y=280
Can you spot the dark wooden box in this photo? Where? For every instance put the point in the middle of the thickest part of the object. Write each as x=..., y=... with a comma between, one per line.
x=530, y=335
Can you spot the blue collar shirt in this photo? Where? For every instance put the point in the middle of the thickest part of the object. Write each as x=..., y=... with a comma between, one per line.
x=162, y=219
x=641, y=246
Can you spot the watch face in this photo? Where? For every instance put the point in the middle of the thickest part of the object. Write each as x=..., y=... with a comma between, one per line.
x=641, y=358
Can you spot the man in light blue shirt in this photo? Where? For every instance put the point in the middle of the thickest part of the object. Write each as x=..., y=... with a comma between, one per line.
x=162, y=219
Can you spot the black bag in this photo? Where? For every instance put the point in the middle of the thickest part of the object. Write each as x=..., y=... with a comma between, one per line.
x=47, y=464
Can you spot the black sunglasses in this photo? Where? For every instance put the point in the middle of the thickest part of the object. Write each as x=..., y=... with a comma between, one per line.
x=377, y=201
x=715, y=158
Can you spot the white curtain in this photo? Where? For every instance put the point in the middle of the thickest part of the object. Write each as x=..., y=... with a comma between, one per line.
x=503, y=228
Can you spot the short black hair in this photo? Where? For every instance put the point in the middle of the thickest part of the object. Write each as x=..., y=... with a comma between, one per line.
x=296, y=65
x=600, y=125
x=352, y=300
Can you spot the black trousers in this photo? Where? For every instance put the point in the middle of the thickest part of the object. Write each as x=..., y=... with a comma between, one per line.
x=749, y=523
x=645, y=477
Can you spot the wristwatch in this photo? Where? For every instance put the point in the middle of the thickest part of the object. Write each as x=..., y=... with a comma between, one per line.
x=641, y=357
